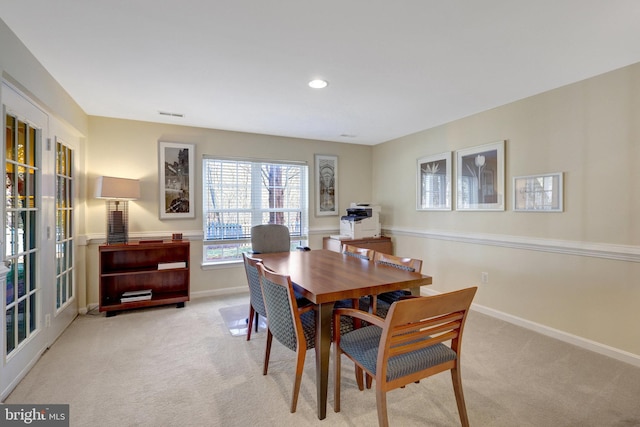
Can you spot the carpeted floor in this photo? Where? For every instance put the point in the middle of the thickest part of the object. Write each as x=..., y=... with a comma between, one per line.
x=182, y=367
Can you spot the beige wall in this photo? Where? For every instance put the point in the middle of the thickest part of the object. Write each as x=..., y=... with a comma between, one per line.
x=129, y=149
x=576, y=272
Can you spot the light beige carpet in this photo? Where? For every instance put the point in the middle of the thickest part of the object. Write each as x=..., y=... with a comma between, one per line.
x=236, y=317
x=181, y=367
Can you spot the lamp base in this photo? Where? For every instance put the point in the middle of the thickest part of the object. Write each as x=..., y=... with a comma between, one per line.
x=117, y=222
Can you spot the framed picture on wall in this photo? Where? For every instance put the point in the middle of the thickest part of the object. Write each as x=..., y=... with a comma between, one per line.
x=434, y=183
x=176, y=179
x=326, y=189
x=538, y=193
x=480, y=178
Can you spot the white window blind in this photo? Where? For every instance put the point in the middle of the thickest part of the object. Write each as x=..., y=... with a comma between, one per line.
x=241, y=193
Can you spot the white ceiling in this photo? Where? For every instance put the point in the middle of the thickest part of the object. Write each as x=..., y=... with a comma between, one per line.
x=394, y=67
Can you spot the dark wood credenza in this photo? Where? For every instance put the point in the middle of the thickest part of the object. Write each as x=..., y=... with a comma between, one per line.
x=162, y=267
x=379, y=244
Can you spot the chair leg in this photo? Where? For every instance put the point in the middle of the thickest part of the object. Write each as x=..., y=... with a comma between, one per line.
x=296, y=384
x=355, y=303
x=457, y=389
x=267, y=352
x=381, y=403
x=250, y=321
x=257, y=320
x=359, y=379
x=336, y=383
x=369, y=380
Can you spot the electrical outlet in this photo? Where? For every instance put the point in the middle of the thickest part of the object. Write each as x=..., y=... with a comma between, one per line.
x=47, y=320
x=484, y=277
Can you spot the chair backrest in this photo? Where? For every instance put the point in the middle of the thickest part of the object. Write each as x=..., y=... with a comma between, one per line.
x=253, y=278
x=409, y=264
x=358, y=252
x=282, y=308
x=417, y=323
x=268, y=238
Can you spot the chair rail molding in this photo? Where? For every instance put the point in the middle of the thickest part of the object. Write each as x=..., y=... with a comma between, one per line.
x=100, y=238
x=567, y=247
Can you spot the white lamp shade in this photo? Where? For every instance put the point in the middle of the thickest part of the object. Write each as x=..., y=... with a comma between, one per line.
x=108, y=187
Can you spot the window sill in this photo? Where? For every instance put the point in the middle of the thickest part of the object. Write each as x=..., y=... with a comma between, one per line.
x=220, y=265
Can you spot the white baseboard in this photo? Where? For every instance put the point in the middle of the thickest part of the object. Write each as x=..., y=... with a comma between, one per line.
x=605, y=350
x=219, y=292
x=7, y=391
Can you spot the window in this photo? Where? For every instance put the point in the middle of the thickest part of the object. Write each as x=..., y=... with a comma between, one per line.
x=241, y=193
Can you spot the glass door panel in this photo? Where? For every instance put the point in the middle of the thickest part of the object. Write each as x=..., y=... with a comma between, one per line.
x=22, y=211
x=64, y=230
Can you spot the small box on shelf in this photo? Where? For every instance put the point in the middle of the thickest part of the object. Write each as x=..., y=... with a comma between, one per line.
x=170, y=265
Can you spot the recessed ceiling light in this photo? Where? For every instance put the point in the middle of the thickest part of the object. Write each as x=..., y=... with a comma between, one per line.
x=318, y=84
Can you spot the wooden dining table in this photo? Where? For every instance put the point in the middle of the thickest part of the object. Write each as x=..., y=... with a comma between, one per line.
x=324, y=277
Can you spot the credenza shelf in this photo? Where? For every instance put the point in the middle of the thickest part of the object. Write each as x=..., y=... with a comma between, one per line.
x=379, y=244
x=149, y=270
x=134, y=267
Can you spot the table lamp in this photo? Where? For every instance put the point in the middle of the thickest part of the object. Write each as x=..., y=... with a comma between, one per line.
x=117, y=192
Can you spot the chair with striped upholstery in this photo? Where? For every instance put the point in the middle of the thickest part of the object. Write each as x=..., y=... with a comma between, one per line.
x=420, y=337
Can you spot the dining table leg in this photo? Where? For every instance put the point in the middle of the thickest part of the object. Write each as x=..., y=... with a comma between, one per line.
x=323, y=347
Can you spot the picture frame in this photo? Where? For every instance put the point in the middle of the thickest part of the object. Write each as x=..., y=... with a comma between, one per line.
x=326, y=184
x=176, y=180
x=433, y=187
x=538, y=193
x=480, y=178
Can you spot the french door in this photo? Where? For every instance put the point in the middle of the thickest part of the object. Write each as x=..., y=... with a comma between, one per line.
x=38, y=293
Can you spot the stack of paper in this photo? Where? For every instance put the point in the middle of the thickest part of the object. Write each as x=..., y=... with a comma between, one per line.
x=132, y=296
x=170, y=265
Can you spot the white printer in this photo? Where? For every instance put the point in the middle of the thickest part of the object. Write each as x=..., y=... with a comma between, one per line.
x=361, y=221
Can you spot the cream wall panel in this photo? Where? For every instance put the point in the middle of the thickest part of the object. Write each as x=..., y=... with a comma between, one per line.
x=588, y=130
x=128, y=149
x=583, y=296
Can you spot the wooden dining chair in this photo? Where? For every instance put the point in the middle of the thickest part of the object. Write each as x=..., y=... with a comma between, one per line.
x=358, y=252
x=420, y=337
x=292, y=326
x=256, y=302
x=387, y=298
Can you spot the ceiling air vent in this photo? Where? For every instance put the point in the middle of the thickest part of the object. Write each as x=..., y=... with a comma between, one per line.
x=166, y=113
